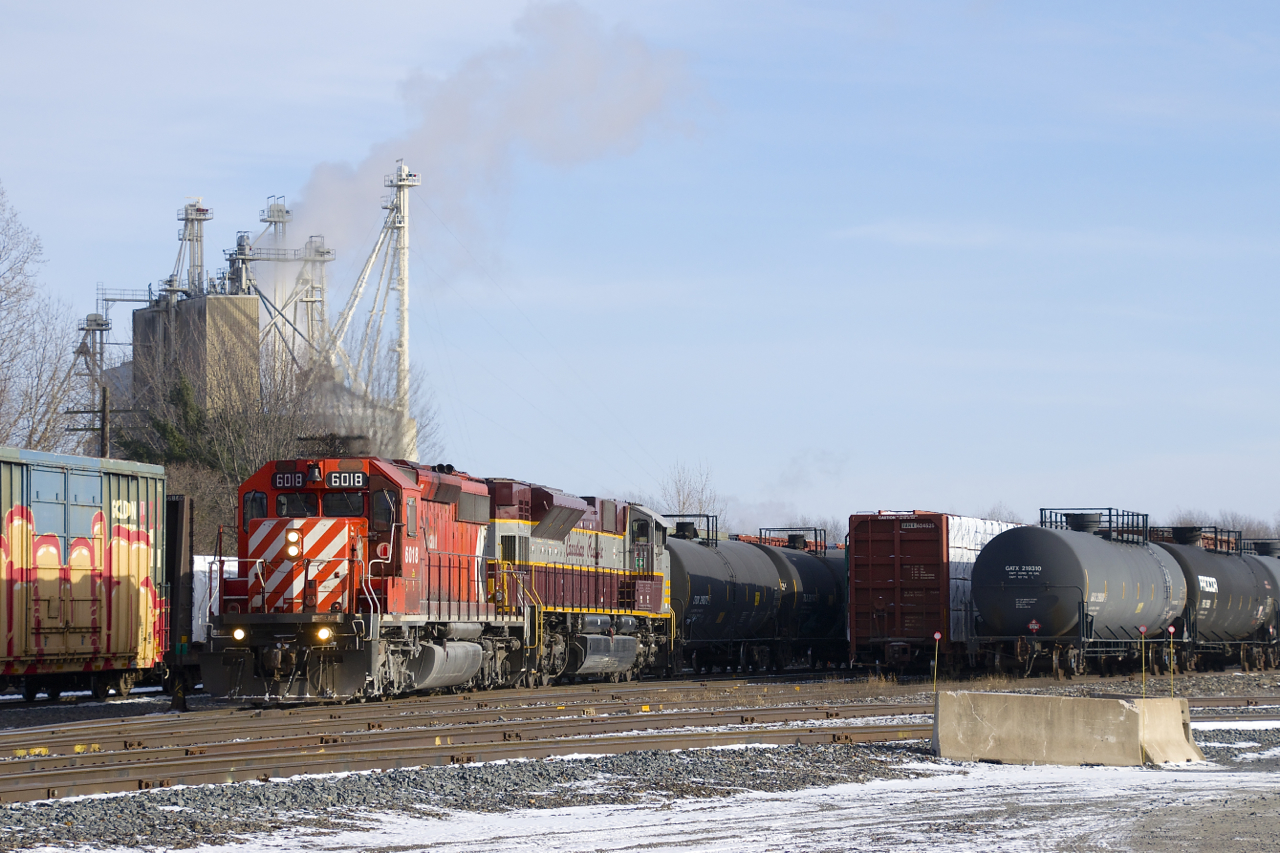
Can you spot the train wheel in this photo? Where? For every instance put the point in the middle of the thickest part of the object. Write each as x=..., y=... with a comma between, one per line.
x=101, y=687
x=29, y=689
x=123, y=683
x=626, y=676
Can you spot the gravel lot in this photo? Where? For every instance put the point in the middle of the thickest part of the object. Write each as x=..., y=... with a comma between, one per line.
x=323, y=806
x=185, y=817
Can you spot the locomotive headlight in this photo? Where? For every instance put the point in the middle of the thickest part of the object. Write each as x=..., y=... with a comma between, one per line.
x=238, y=634
x=292, y=551
x=292, y=536
x=324, y=634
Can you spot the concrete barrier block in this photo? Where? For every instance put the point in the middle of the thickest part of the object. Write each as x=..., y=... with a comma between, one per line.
x=1018, y=728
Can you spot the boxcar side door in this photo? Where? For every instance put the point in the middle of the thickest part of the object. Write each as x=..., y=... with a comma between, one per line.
x=50, y=585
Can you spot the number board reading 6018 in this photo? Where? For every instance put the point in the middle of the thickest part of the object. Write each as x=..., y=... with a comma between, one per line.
x=346, y=480
x=288, y=481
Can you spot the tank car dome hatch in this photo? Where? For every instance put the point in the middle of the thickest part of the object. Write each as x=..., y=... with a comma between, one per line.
x=1084, y=522
x=686, y=530
x=1186, y=535
x=1040, y=575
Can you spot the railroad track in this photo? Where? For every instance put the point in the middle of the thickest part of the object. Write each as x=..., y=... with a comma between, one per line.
x=107, y=756
x=226, y=745
x=264, y=761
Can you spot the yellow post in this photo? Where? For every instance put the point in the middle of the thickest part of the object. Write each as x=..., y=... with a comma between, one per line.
x=1142, y=709
x=1170, y=661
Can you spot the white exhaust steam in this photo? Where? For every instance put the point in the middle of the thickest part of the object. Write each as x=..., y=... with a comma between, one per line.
x=567, y=90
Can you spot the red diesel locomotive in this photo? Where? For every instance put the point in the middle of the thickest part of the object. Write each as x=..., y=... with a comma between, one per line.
x=364, y=577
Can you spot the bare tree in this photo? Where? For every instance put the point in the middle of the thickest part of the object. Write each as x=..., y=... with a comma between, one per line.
x=213, y=433
x=1251, y=527
x=37, y=383
x=369, y=412
x=999, y=511
x=837, y=526
x=242, y=415
x=690, y=489
x=20, y=255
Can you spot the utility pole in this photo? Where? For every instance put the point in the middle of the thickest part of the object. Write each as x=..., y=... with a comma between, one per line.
x=104, y=437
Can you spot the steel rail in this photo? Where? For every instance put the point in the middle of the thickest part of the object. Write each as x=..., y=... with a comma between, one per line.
x=164, y=730
x=662, y=698
x=466, y=733
x=61, y=761
x=330, y=758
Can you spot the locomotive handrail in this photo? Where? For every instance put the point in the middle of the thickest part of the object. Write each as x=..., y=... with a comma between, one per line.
x=364, y=579
x=531, y=591
x=254, y=567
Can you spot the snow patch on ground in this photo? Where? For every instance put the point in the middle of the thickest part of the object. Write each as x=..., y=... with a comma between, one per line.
x=968, y=808
x=1235, y=725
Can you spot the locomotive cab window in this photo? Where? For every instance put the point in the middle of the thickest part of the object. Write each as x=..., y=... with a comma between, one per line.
x=411, y=516
x=255, y=506
x=384, y=509
x=342, y=504
x=640, y=530
x=296, y=505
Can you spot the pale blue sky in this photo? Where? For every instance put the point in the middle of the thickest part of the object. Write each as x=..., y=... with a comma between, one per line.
x=857, y=256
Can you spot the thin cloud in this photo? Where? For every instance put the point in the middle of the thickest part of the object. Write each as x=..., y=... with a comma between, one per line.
x=992, y=236
x=566, y=90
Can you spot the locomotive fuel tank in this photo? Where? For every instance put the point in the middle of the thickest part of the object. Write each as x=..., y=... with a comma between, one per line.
x=726, y=592
x=598, y=654
x=1230, y=595
x=1041, y=575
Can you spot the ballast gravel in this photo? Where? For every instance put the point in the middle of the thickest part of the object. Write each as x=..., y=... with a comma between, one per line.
x=181, y=818
x=186, y=817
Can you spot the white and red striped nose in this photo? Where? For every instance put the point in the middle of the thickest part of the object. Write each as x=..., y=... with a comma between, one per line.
x=304, y=564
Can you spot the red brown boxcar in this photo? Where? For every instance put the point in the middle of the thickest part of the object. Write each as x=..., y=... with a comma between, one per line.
x=908, y=580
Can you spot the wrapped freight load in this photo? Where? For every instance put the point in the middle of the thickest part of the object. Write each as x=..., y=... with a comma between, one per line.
x=909, y=579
